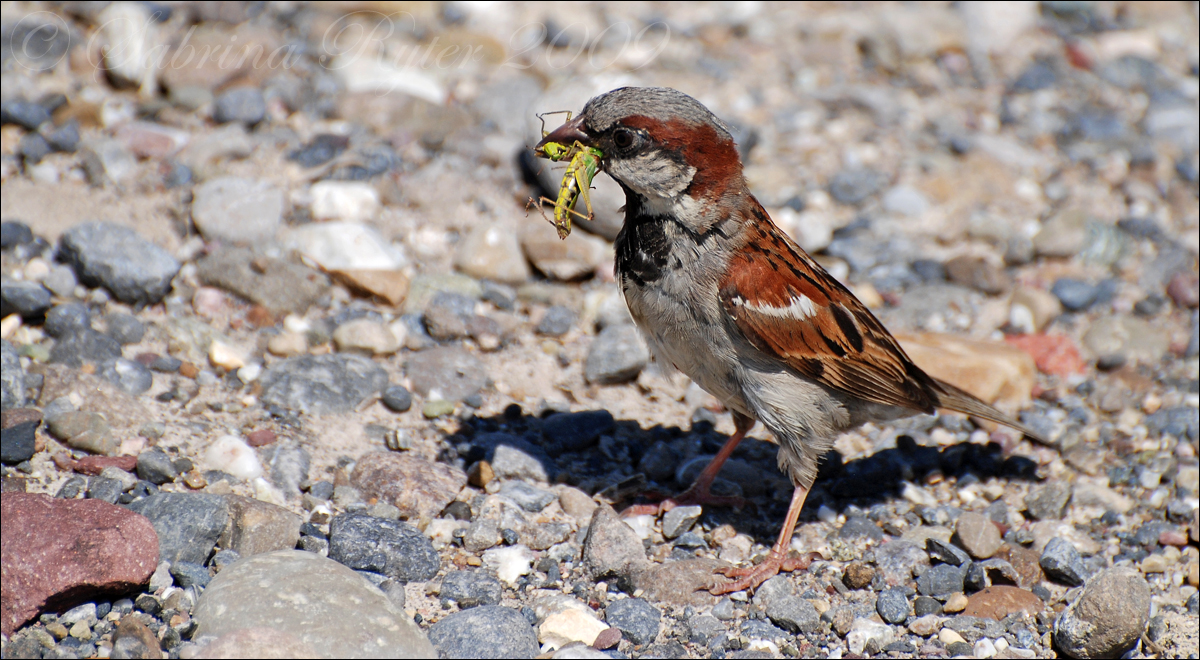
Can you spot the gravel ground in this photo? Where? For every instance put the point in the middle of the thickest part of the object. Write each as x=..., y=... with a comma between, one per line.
x=288, y=364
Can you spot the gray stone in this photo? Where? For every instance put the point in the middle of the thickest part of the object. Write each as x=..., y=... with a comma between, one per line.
x=488, y=631
x=481, y=535
x=982, y=574
x=854, y=186
x=977, y=535
x=898, y=560
x=794, y=614
x=1048, y=501
x=946, y=553
x=1075, y=295
x=448, y=316
x=635, y=618
x=135, y=270
x=278, y=285
x=612, y=548
x=287, y=464
x=1062, y=563
x=514, y=458
x=130, y=376
x=704, y=628
x=155, y=466
x=67, y=319
x=12, y=377
x=84, y=430
x=556, y=322
x=679, y=520
x=321, y=384
x=1108, y=618
x=471, y=589
x=18, y=442
x=388, y=547
x=860, y=527
x=243, y=104
x=892, y=605
x=124, y=328
x=618, y=354
x=397, y=398
x=26, y=114
x=61, y=281
x=256, y=527
x=447, y=373
x=941, y=580
x=104, y=489
x=65, y=138
x=13, y=233
x=187, y=574
x=237, y=209
x=924, y=605
x=188, y=524
x=579, y=430
x=85, y=346
x=529, y=498
x=274, y=591
x=28, y=299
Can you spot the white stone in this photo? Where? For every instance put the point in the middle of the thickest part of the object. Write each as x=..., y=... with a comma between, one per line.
x=441, y=530
x=509, y=563
x=865, y=630
x=984, y=648
x=130, y=37
x=643, y=525
x=250, y=373
x=811, y=228
x=906, y=201
x=230, y=454
x=346, y=246
x=571, y=625
x=225, y=356
x=346, y=201
x=237, y=209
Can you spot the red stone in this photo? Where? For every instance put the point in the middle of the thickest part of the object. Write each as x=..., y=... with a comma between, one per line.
x=1001, y=600
x=607, y=639
x=92, y=465
x=1053, y=354
x=260, y=438
x=55, y=554
x=1173, y=537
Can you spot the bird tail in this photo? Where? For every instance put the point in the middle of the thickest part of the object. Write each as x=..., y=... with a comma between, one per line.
x=958, y=400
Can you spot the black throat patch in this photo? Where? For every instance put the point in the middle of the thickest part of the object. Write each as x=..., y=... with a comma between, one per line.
x=642, y=247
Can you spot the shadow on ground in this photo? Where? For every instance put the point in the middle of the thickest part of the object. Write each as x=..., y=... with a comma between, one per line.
x=629, y=465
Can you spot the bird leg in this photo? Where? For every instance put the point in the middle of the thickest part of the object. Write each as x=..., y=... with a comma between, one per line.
x=699, y=492
x=778, y=559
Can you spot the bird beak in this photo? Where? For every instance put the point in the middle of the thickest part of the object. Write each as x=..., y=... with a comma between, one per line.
x=569, y=133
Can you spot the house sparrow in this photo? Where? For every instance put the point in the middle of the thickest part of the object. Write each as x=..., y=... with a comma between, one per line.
x=730, y=300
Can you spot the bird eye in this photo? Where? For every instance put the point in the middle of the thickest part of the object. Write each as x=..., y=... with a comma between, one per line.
x=623, y=138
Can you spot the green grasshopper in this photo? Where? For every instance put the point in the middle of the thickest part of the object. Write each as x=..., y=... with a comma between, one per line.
x=576, y=182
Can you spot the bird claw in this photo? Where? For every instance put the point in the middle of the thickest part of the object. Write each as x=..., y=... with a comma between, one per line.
x=750, y=578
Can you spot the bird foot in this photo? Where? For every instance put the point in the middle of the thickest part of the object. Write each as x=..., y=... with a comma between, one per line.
x=691, y=497
x=750, y=578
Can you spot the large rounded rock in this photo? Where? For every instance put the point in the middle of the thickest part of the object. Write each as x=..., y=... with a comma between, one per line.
x=59, y=553
x=1108, y=619
x=118, y=258
x=301, y=600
